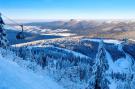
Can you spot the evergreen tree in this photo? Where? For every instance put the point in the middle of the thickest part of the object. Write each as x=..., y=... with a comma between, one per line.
x=3, y=40
x=99, y=68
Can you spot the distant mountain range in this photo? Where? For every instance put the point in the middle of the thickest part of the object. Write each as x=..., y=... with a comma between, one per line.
x=96, y=28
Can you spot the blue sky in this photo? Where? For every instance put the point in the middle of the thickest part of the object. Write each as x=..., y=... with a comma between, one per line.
x=68, y=9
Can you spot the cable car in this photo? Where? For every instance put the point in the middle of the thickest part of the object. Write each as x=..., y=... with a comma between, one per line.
x=20, y=35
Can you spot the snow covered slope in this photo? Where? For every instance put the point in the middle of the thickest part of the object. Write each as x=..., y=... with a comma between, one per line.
x=84, y=63
x=12, y=76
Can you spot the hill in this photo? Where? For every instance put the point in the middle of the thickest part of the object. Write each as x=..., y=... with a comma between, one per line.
x=13, y=76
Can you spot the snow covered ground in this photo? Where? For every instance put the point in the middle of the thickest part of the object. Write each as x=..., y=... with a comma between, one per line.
x=12, y=76
x=111, y=41
x=67, y=61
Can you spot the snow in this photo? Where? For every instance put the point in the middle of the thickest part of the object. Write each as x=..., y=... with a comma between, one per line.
x=121, y=65
x=61, y=34
x=75, y=53
x=124, y=63
x=110, y=61
x=113, y=85
x=13, y=76
x=111, y=41
x=131, y=40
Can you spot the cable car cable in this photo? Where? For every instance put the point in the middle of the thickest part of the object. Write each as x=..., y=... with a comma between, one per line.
x=11, y=20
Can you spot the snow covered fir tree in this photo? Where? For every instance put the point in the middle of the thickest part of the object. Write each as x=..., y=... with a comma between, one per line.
x=3, y=39
x=98, y=80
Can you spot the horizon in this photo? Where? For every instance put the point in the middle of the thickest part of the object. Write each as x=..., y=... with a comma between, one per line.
x=68, y=9
x=53, y=20
x=25, y=21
